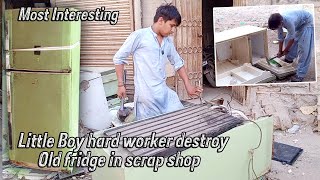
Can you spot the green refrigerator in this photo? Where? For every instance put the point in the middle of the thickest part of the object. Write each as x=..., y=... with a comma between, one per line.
x=42, y=81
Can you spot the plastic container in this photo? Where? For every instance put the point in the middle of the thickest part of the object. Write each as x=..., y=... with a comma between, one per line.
x=94, y=111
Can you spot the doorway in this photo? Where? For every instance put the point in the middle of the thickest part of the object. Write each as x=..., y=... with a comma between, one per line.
x=208, y=38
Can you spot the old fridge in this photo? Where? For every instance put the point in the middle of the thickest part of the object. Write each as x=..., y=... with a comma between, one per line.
x=42, y=70
x=241, y=55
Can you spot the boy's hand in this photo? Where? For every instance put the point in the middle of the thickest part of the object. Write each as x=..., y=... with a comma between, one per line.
x=283, y=53
x=280, y=54
x=121, y=92
x=194, y=91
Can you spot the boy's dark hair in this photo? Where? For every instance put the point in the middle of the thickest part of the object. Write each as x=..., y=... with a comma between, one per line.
x=274, y=21
x=168, y=12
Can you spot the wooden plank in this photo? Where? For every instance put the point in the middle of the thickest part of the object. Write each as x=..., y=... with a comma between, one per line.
x=259, y=45
x=226, y=66
x=235, y=33
x=241, y=51
x=239, y=2
x=239, y=94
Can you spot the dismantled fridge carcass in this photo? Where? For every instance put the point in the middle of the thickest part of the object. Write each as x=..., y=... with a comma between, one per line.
x=241, y=58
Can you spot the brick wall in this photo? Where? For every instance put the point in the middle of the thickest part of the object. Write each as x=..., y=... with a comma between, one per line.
x=284, y=103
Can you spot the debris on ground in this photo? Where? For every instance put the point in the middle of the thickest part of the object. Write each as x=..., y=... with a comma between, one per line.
x=307, y=110
x=294, y=129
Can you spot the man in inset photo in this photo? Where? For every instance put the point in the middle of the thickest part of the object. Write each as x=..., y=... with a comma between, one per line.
x=299, y=41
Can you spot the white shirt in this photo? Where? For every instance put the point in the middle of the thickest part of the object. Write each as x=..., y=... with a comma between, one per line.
x=152, y=96
x=294, y=21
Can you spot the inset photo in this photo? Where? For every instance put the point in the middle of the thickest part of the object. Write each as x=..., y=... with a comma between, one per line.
x=264, y=44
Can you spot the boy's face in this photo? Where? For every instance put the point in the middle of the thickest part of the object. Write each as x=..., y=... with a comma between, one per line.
x=167, y=27
x=280, y=26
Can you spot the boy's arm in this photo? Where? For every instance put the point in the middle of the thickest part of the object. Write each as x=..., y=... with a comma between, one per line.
x=193, y=91
x=120, y=58
x=287, y=49
x=291, y=35
x=121, y=88
x=280, y=39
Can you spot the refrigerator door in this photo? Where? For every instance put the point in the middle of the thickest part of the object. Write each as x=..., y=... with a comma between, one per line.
x=42, y=84
x=41, y=102
x=41, y=45
x=27, y=34
x=52, y=61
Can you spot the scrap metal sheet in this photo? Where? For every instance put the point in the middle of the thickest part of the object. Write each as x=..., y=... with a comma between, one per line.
x=194, y=120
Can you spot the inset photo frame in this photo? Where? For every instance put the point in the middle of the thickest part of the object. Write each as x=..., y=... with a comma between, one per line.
x=264, y=45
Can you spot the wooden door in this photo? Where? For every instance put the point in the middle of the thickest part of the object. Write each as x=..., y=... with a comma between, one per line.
x=188, y=41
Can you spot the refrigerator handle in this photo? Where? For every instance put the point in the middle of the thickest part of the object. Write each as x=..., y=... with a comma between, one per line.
x=36, y=52
x=9, y=131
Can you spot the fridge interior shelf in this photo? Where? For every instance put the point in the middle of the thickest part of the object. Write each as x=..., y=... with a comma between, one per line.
x=245, y=74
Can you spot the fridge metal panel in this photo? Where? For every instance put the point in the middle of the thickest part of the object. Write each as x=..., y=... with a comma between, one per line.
x=41, y=102
x=43, y=69
x=28, y=34
x=41, y=46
